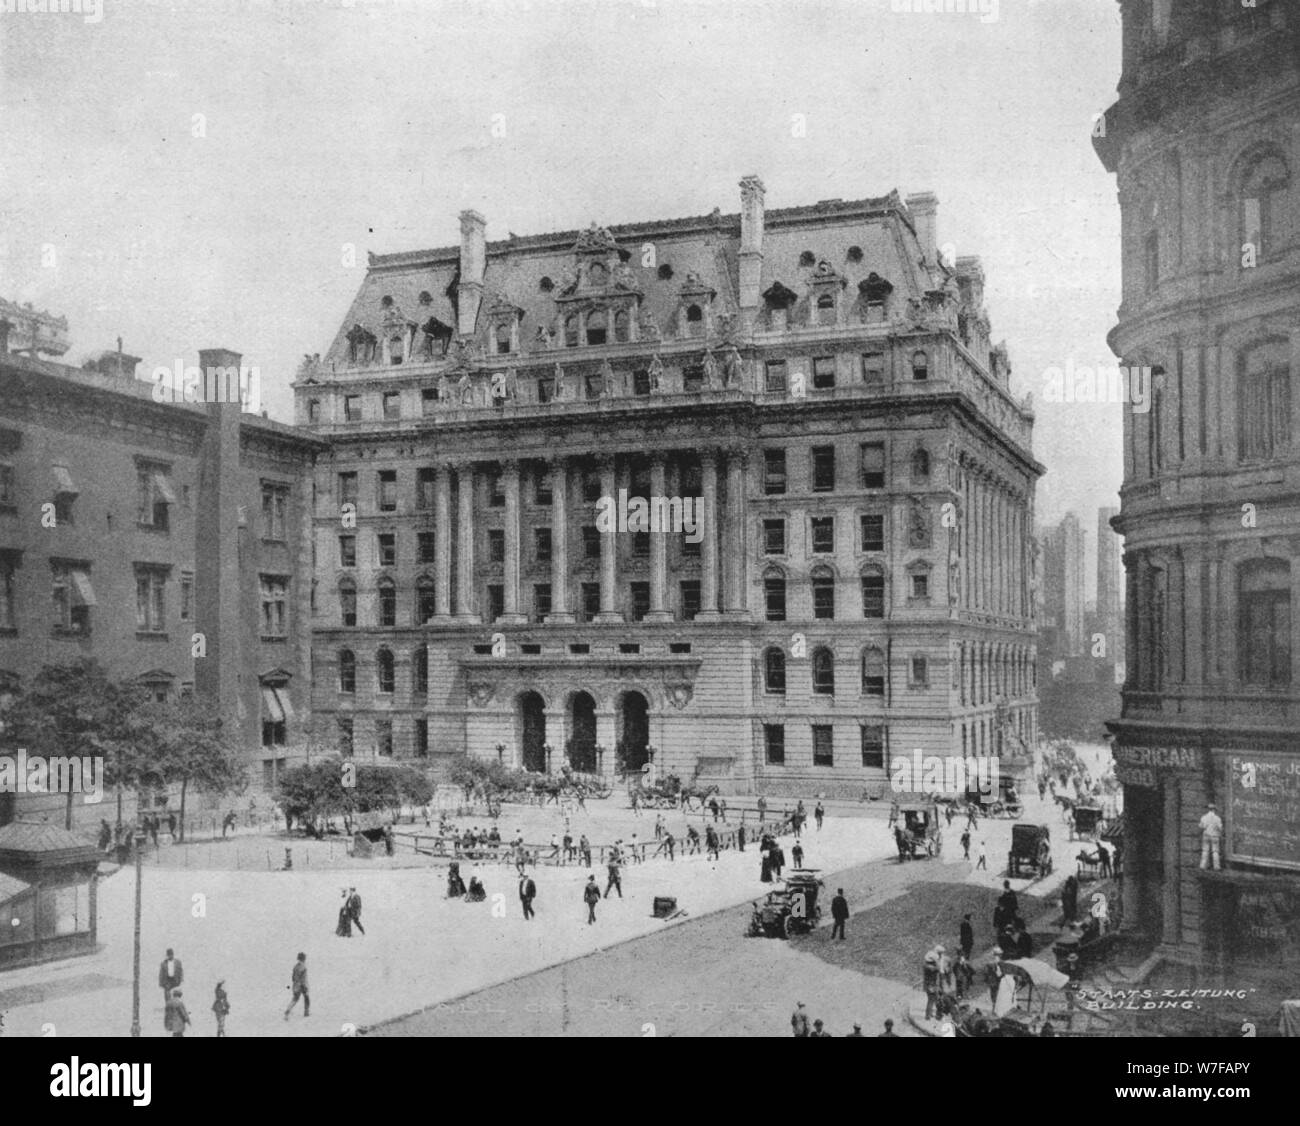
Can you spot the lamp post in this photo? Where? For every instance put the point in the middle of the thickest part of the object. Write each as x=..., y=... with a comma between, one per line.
x=139, y=878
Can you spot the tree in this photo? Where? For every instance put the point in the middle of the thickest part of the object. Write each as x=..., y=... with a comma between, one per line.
x=314, y=791
x=187, y=744
x=76, y=709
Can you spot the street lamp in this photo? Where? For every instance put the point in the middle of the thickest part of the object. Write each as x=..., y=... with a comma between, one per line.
x=139, y=878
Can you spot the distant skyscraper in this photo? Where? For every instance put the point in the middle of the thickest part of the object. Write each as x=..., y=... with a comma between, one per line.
x=1063, y=588
x=1109, y=614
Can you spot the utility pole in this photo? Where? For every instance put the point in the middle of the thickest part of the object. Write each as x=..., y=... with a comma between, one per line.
x=139, y=881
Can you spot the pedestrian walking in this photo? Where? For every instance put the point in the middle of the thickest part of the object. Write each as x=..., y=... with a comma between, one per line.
x=967, y=936
x=527, y=893
x=153, y=825
x=799, y=1020
x=637, y=858
x=796, y=851
x=819, y=813
x=299, y=987
x=354, y=909
x=659, y=826
x=692, y=840
x=568, y=847
x=668, y=843
x=713, y=807
x=972, y=816
x=722, y=805
x=221, y=1008
x=612, y=866
x=591, y=896
x=636, y=802
x=105, y=835
x=171, y=826
x=170, y=974
x=343, y=929
x=965, y=844
x=1070, y=899
x=982, y=860
x=778, y=860
x=176, y=1016
x=584, y=846
x=227, y=823
x=840, y=913
x=947, y=813
x=740, y=838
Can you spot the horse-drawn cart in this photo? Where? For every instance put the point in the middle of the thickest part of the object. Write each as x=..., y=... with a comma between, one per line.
x=1031, y=847
x=791, y=909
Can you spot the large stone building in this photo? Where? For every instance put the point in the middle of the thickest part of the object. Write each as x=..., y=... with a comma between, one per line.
x=1205, y=145
x=861, y=584
x=142, y=533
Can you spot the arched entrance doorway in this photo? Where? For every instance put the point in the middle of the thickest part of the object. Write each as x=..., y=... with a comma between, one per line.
x=531, y=731
x=582, y=728
x=634, y=729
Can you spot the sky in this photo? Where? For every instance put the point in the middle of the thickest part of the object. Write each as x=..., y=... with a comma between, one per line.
x=188, y=175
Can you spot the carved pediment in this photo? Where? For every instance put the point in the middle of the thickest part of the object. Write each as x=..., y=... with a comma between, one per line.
x=778, y=296
x=596, y=240
x=481, y=691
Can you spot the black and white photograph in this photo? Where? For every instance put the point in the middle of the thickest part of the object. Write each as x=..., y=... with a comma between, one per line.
x=651, y=518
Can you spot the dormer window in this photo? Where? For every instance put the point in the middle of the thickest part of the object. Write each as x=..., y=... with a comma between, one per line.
x=921, y=466
x=622, y=329
x=694, y=320
x=395, y=351
x=571, y=330
x=597, y=326
x=503, y=338
x=597, y=274
x=920, y=367
x=826, y=309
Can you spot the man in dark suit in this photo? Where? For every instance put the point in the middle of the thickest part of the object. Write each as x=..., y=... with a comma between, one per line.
x=967, y=941
x=299, y=987
x=177, y=1017
x=840, y=913
x=170, y=974
x=354, y=909
x=527, y=893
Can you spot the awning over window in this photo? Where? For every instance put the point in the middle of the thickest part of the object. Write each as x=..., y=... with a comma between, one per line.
x=83, y=592
x=282, y=694
x=163, y=485
x=271, y=706
x=63, y=486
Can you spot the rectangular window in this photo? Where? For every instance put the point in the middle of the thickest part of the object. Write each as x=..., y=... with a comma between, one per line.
x=426, y=544
x=150, y=611
x=8, y=595
x=824, y=599
x=690, y=590
x=591, y=486
x=920, y=672
x=387, y=549
x=873, y=532
x=542, y=600
x=426, y=603
x=873, y=747
x=424, y=482
x=773, y=537
x=590, y=542
x=72, y=597
x=273, y=734
x=154, y=497
x=275, y=605
x=545, y=386
x=496, y=601
x=873, y=465
x=429, y=401
x=873, y=596
x=774, y=594
x=590, y=600
x=348, y=606
x=543, y=493
x=275, y=506
x=921, y=586
x=873, y=369
x=641, y=545
x=679, y=647
x=542, y=545
x=352, y=408
x=691, y=547
x=823, y=469
x=384, y=737
x=387, y=491
x=496, y=545
x=496, y=489
x=692, y=377
x=347, y=551
x=392, y=404
x=823, y=535
x=823, y=745
x=773, y=472
x=823, y=373
x=641, y=383
x=347, y=488
x=345, y=736
x=640, y=600
x=187, y=596
x=775, y=376
x=421, y=738
x=8, y=493
x=774, y=744
x=387, y=605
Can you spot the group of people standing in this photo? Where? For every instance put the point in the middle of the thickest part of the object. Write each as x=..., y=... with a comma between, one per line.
x=349, y=914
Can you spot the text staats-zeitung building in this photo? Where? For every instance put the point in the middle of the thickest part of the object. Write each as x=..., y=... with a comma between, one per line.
x=1205, y=145
x=812, y=382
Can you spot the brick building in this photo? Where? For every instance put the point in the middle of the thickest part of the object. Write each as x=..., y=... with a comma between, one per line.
x=128, y=528
x=816, y=375
x=1204, y=143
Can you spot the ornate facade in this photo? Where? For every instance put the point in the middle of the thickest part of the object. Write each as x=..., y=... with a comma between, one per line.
x=861, y=579
x=1204, y=143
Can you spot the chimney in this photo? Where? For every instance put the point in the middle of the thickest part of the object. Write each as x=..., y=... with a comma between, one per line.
x=5, y=328
x=752, y=195
x=473, y=261
x=924, y=207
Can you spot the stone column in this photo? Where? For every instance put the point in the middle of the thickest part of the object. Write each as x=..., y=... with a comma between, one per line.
x=658, y=548
x=736, y=538
x=442, y=543
x=560, y=612
x=609, y=549
x=512, y=616
x=709, y=546
x=465, y=555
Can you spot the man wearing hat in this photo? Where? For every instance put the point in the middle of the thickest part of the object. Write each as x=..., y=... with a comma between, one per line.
x=221, y=1007
x=1211, y=837
x=818, y=1030
x=176, y=1016
x=799, y=1021
x=857, y=1030
x=889, y=1029
x=591, y=896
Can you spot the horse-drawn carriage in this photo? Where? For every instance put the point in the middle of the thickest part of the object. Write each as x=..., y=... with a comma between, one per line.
x=1087, y=822
x=1006, y=803
x=1031, y=847
x=790, y=909
x=919, y=832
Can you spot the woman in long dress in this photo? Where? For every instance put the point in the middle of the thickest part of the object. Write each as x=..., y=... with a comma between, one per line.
x=344, y=929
